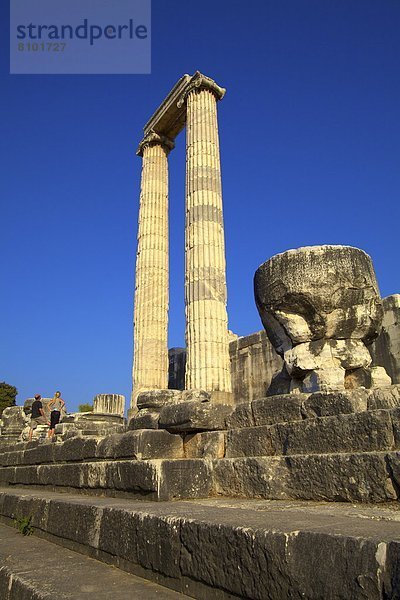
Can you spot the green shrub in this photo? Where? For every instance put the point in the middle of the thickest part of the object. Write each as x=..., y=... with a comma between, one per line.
x=85, y=408
x=8, y=394
x=23, y=524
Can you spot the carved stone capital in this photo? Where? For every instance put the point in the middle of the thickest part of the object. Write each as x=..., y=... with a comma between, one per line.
x=153, y=139
x=201, y=82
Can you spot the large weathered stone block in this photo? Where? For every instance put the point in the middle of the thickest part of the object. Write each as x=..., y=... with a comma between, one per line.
x=146, y=418
x=388, y=397
x=278, y=409
x=319, y=305
x=242, y=416
x=75, y=449
x=95, y=424
x=13, y=421
x=12, y=458
x=252, y=477
x=318, y=292
x=194, y=416
x=359, y=432
x=208, y=444
x=322, y=404
x=323, y=380
x=386, y=348
x=254, y=362
x=284, y=561
x=368, y=377
x=360, y=477
x=189, y=478
x=142, y=539
x=251, y=441
x=141, y=445
x=43, y=453
x=326, y=354
x=156, y=399
x=66, y=520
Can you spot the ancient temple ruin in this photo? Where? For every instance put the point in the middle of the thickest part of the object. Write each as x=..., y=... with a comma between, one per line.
x=272, y=471
x=192, y=102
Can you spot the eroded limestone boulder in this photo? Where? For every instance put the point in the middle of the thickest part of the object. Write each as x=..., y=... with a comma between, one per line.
x=91, y=424
x=151, y=402
x=370, y=377
x=13, y=422
x=195, y=416
x=321, y=307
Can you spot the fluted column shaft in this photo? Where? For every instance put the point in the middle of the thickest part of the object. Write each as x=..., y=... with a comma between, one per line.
x=207, y=365
x=150, y=362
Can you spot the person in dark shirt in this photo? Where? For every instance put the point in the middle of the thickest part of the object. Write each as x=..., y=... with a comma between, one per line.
x=37, y=415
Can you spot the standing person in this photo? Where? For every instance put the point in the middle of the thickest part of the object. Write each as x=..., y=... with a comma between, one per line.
x=37, y=415
x=56, y=405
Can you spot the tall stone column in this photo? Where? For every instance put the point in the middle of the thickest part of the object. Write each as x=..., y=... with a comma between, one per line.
x=150, y=362
x=208, y=365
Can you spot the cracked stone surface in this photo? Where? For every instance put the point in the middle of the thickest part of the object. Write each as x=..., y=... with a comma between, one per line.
x=321, y=307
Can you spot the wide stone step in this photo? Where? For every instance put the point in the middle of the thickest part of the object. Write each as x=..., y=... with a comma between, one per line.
x=138, y=445
x=358, y=432
x=287, y=408
x=35, y=569
x=219, y=549
x=151, y=479
x=351, y=477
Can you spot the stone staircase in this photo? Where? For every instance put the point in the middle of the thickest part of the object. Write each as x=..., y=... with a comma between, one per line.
x=240, y=511
x=215, y=549
x=338, y=446
x=40, y=570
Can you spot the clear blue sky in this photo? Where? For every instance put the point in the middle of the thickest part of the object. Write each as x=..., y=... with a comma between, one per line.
x=310, y=144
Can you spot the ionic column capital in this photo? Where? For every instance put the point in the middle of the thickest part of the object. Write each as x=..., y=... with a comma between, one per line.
x=201, y=82
x=154, y=139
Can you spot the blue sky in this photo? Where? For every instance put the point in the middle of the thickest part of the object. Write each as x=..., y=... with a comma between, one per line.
x=310, y=148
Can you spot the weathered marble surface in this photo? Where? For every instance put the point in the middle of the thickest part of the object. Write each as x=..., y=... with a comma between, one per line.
x=223, y=548
x=151, y=403
x=207, y=340
x=90, y=424
x=254, y=362
x=320, y=306
x=109, y=403
x=13, y=422
x=150, y=359
x=385, y=350
x=318, y=292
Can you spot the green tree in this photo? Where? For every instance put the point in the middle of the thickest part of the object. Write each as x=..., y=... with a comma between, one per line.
x=85, y=407
x=8, y=394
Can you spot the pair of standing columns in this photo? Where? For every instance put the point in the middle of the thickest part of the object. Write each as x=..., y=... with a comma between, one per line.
x=207, y=363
